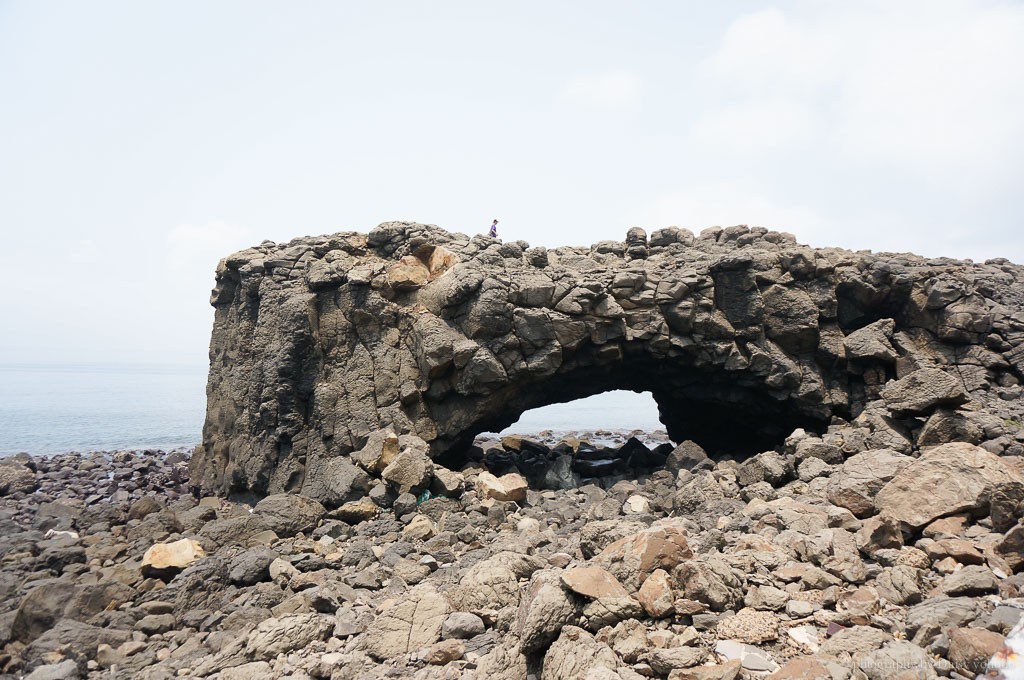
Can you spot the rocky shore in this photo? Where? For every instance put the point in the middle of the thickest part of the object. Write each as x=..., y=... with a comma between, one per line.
x=831, y=557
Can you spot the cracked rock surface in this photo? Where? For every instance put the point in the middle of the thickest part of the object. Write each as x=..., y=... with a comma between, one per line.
x=740, y=334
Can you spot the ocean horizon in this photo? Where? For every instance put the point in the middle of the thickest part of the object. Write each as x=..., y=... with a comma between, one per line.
x=53, y=408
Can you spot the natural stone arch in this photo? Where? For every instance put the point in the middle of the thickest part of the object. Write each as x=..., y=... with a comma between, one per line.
x=740, y=334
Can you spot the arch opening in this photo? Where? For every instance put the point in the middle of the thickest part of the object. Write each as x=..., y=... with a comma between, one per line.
x=729, y=415
x=611, y=414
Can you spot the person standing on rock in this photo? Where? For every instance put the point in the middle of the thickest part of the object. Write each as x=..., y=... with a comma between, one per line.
x=493, y=233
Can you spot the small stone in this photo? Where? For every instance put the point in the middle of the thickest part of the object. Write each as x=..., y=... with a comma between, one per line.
x=636, y=505
x=749, y=626
x=419, y=529
x=462, y=625
x=358, y=511
x=750, y=657
x=445, y=651
x=730, y=670
x=155, y=623
x=805, y=636
x=282, y=569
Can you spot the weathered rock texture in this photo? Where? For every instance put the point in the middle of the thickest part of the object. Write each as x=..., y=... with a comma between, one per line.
x=740, y=334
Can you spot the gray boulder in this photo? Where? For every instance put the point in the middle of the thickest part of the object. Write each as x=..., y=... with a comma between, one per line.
x=289, y=514
x=922, y=391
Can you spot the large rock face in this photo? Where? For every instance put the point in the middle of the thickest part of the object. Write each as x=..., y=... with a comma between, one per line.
x=740, y=334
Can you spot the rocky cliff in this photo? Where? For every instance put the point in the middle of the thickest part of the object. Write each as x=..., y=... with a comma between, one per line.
x=741, y=335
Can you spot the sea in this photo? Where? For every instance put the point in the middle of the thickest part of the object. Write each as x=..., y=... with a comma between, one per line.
x=48, y=409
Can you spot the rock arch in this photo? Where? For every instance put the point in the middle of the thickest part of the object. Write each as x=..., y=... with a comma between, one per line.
x=740, y=334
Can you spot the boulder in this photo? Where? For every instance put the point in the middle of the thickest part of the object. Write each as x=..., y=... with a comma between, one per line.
x=665, y=661
x=632, y=559
x=338, y=482
x=712, y=581
x=873, y=341
x=656, y=596
x=509, y=487
x=861, y=477
x=74, y=640
x=408, y=273
x=545, y=608
x=252, y=566
x=63, y=670
x=358, y=511
x=163, y=560
x=462, y=625
x=923, y=390
x=276, y=636
x=380, y=449
x=16, y=478
x=41, y=608
x=289, y=514
x=242, y=531
x=936, y=615
x=947, y=479
x=576, y=654
x=729, y=670
x=687, y=456
x=410, y=623
x=971, y=648
x=410, y=470
x=486, y=584
x=1011, y=547
x=898, y=660
x=444, y=652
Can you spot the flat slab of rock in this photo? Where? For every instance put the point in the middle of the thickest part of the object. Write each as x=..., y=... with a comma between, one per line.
x=593, y=582
x=278, y=636
x=922, y=391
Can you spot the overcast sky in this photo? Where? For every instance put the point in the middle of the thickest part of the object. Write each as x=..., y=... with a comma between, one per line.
x=142, y=141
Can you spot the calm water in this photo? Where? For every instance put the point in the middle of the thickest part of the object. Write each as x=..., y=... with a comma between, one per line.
x=100, y=407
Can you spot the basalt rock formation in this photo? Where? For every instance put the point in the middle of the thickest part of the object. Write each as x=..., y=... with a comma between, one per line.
x=741, y=335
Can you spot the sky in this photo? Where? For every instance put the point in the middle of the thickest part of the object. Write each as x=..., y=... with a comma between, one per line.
x=140, y=142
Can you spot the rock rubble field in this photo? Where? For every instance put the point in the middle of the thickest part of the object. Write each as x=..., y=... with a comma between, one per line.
x=827, y=559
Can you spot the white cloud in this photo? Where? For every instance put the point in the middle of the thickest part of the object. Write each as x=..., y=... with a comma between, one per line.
x=758, y=125
x=726, y=204
x=935, y=88
x=766, y=53
x=83, y=251
x=615, y=90
x=200, y=247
